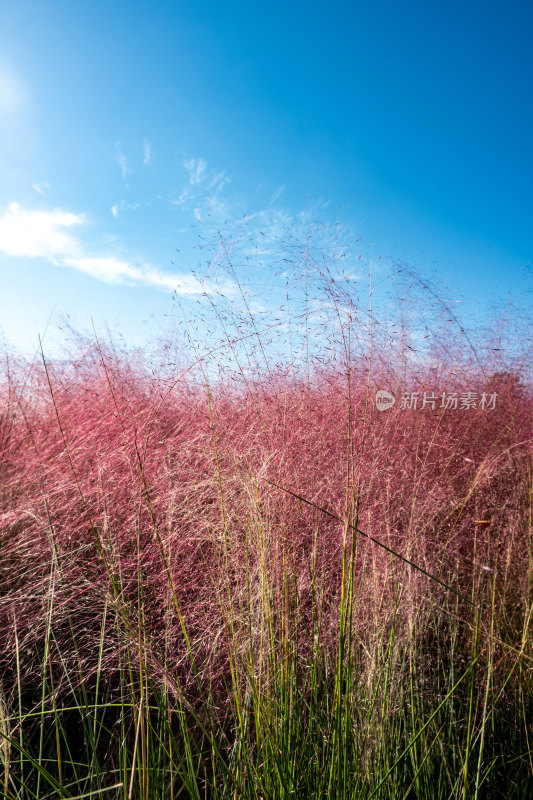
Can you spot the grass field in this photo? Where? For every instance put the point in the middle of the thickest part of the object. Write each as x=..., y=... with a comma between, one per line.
x=255, y=584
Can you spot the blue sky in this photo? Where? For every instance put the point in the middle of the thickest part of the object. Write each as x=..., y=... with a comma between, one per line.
x=131, y=130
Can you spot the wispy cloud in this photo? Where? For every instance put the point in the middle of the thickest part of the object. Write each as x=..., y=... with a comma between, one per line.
x=203, y=195
x=41, y=188
x=118, y=208
x=196, y=167
x=44, y=235
x=120, y=158
x=148, y=153
x=277, y=194
x=261, y=237
x=218, y=181
x=267, y=234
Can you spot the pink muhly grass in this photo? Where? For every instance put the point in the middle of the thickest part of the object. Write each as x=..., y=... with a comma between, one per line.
x=108, y=478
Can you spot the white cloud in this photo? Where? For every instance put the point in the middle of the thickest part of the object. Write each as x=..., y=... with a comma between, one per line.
x=148, y=153
x=118, y=208
x=258, y=251
x=121, y=159
x=38, y=234
x=41, y=188
x=116, y=271
x=269, y=233
x=218, y=207
x=203, y=195
x=183, y=197
x=196, y=167
x=277, y=194
x=219, y=180
x=41, y=234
